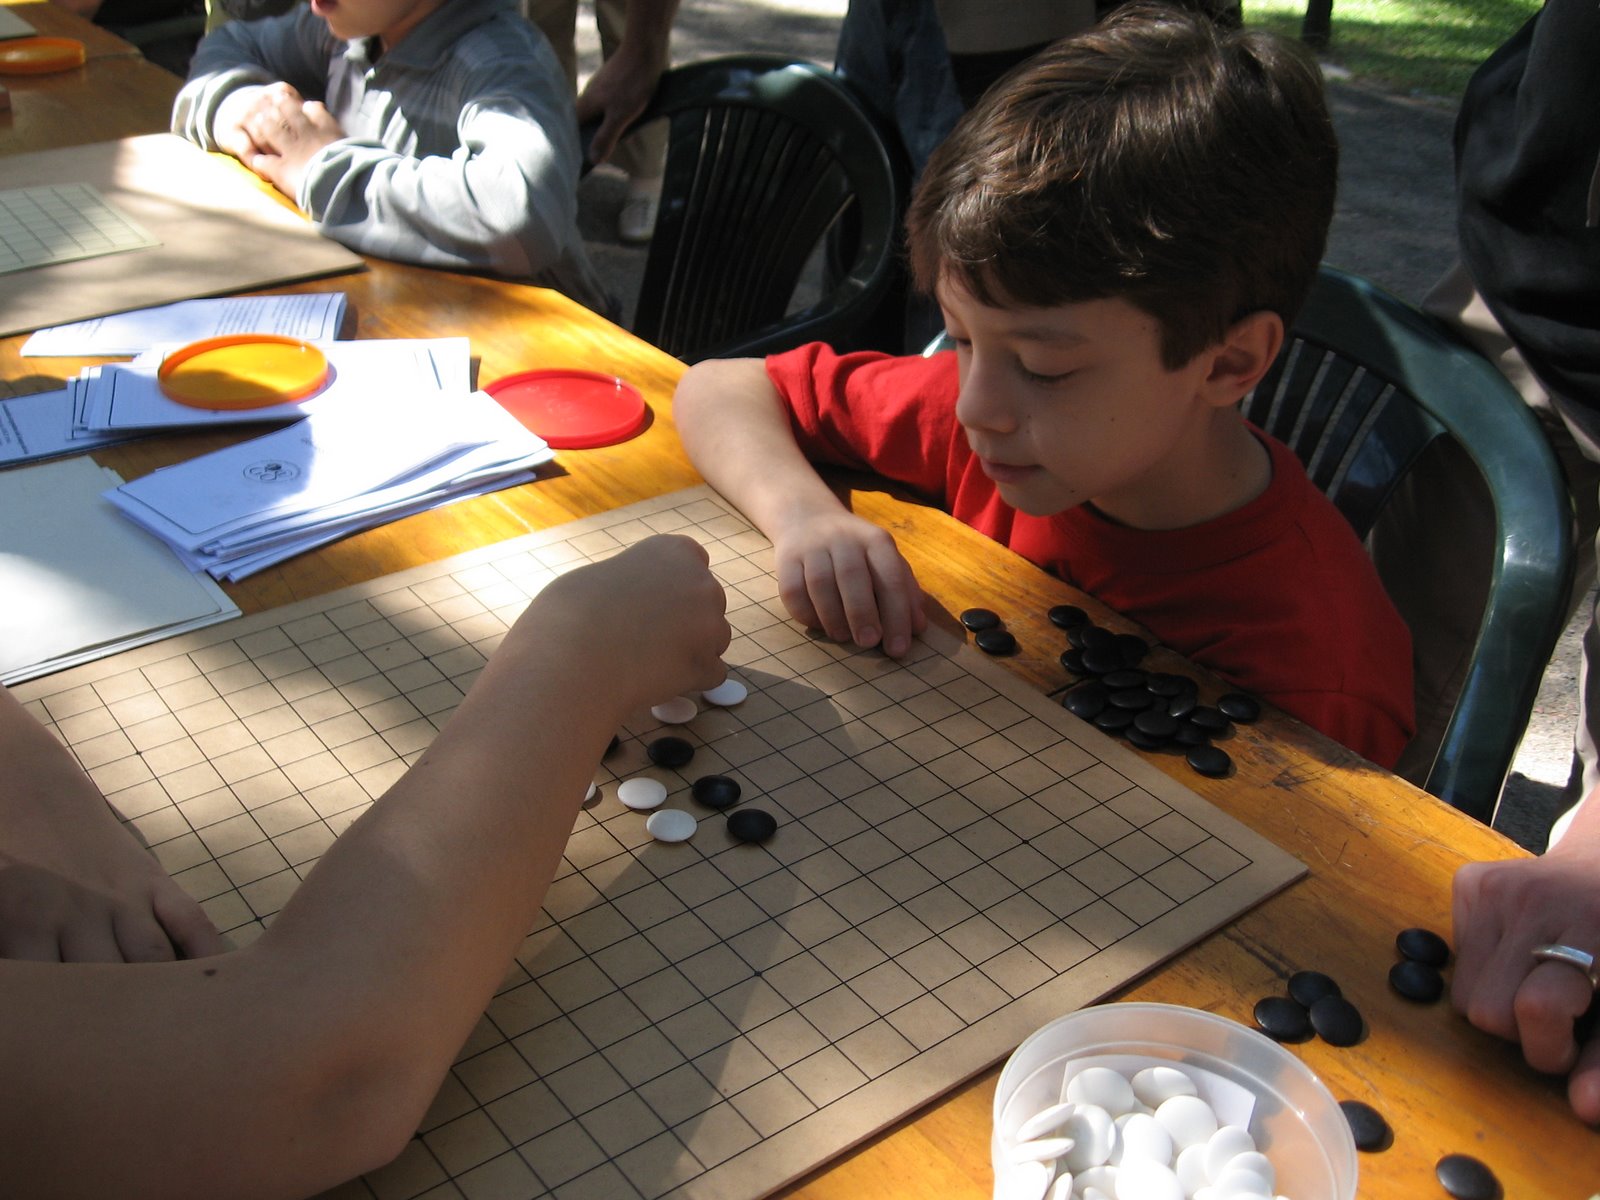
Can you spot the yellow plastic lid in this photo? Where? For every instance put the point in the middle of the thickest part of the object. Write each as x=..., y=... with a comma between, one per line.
x=244, y=370
x=39, y=55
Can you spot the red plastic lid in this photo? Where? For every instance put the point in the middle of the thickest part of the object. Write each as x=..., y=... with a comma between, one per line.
x=572, y=410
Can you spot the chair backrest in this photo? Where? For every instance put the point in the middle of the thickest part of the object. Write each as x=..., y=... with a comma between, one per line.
x=1363, y=384
x=765, y=155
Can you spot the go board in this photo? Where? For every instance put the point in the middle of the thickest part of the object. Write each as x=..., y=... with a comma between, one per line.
x=957, y=861
x=60, y=223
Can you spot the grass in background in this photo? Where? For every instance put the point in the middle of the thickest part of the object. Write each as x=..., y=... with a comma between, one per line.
x=1415, y=47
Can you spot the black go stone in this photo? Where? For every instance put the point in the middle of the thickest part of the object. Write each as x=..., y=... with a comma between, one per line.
x=1183, y=703
x=669, y=751
x=977, y=619
x=1337, y=1021
x=1282, y=1019
x=715, y=791
x=995, y=641
x=1114, y=720
x=1367, y=1126
x=1067, y=616
x=1190, y=734
x=611, y=747
x=1239, y=707
x=1126, y=677
x=752, y=824
x=1087, y=700
x=1310, y=986
x=1072, y=661
x=1091, y=637
x=1153, y=722
x=1133, y=648
x=1143, y=740
x=1424, y=946
x=1212, y=720
x=1134, y=699
x=1465, y=1178
x=1209, y=760
x=1164, y=684
x=1416, y=980
x=1101, y=660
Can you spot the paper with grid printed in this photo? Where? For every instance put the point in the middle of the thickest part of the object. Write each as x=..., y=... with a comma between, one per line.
x=60, y=223
x=958, y=860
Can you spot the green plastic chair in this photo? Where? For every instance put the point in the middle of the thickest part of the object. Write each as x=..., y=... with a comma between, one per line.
x=1363, y=384
x=765, y=155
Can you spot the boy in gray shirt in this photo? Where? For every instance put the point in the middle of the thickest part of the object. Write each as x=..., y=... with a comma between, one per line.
x=438, y=132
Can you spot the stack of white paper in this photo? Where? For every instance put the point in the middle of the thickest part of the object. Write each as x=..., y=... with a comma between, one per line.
x=78, y=583
x=312, y=317
x=372, y=458
x=126, y=396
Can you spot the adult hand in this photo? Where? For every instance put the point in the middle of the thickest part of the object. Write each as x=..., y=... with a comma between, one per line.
x=1502, y=912
x=616, y=94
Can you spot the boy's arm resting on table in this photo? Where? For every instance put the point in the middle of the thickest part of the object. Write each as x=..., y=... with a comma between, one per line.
x=75, y=886
x=1503, y=911
x=836, y=571
x=240, y=55
x=311, y=1055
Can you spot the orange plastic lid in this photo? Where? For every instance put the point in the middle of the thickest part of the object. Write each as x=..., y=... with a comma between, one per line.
x=572, y=410
x=243, y=370
x=39, y=55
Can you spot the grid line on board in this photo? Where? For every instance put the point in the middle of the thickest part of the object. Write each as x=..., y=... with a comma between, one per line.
x=702, y=1019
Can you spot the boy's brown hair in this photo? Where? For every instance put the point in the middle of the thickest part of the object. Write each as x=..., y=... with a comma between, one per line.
x=1158, y=158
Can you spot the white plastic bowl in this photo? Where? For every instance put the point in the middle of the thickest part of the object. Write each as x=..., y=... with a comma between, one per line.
x=1296, y=1122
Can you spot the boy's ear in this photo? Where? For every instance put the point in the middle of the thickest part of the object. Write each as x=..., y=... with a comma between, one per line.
x=1238, y=363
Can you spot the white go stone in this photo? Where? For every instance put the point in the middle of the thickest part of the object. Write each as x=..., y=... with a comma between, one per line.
x=1093, y=1137
x=671, y=825
x=1061, y=1189
x=1223, y=1147
x=1147, y=1180
x=1187, y=1119
x=730, y=691
x=677, y=711
x=1257, y=1164
x=1098, y=1179
x=1141, y=1139
x=1022, y=1181
x=642, y=793
x=1155, y=1085
x=1102, y=1087
x=1190, y=1168
x=1046, y=1120
x=1039, y=1150
x=594, y=790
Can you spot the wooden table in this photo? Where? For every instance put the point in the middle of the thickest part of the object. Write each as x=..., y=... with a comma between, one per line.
x=51, y=20
x=1381, y=854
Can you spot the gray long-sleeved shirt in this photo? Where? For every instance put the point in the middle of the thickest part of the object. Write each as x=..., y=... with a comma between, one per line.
x=460, y=148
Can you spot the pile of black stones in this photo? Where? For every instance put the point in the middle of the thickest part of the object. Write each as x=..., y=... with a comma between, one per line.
x=1152, y=710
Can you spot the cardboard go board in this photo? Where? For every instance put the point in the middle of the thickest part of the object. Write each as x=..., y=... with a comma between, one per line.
x=957, y=861
x=215, y=231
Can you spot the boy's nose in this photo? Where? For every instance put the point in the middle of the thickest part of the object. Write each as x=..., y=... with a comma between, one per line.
x=982, y=401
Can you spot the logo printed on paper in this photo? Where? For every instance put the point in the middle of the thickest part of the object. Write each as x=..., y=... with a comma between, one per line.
x=272, y=470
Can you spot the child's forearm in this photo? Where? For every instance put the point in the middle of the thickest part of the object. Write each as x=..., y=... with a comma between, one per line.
x=738, y=436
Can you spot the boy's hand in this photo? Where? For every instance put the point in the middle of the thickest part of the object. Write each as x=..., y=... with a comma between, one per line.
x=650, y=622
x=844, y=575
x=1503, y=910
x=275, y=132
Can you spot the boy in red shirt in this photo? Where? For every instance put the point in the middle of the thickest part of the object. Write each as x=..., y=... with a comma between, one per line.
x=1117, y=235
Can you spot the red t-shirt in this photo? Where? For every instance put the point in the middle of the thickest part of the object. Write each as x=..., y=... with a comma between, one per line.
x=1277, y=597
